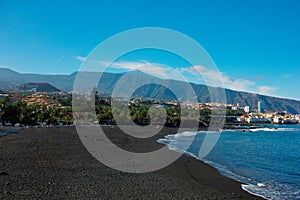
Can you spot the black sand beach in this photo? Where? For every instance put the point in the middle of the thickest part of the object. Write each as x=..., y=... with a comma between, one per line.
x=52, y=163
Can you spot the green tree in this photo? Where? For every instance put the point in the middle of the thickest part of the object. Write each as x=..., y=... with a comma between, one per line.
x=4, y=104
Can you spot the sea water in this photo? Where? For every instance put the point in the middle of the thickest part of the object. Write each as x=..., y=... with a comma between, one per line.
x=266, y=160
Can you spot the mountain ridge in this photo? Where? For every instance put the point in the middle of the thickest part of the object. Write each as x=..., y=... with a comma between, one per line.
x=10, y=79
x=38, y=87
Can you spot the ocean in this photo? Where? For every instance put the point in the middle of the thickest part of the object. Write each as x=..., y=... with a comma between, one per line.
x=7, y=131
x=266, y=160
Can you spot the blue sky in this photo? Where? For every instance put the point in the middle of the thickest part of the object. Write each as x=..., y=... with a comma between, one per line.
x=255, y=44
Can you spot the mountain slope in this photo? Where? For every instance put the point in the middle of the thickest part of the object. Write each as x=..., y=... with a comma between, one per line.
x=39, y=87
x=11, y=79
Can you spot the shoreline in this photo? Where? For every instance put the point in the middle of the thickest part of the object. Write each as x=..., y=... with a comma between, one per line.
x=53, y=163
x=242, y=184
x=212, y=164
x=5, y=131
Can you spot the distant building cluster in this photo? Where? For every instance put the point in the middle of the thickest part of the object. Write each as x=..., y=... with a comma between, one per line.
x=275, y=118
x=41, y=99
x=12, y=97
x=258, y=115
x=241, y=114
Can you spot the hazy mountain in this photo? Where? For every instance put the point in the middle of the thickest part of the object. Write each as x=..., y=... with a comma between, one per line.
x=11, y=80
x=38, y=87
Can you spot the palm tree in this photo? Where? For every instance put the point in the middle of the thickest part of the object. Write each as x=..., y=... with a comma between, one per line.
x=52, y=115
x=4, y=103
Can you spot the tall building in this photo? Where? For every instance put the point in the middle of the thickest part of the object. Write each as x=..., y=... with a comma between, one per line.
x=261, y=107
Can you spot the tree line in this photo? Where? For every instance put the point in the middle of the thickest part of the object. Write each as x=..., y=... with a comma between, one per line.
x=21, y=113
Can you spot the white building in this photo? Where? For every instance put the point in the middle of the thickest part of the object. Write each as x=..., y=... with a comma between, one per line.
x=257, y=120
x=261, y=107
x=247, y=109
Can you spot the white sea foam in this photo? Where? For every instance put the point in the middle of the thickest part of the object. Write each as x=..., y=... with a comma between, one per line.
x=261, y=185
x=262, y=129
x=269, y=192
x=265, y=129
x=186, y=134
x=252, y=189
x=272, y=129
x=179, y=150
x=194, y=133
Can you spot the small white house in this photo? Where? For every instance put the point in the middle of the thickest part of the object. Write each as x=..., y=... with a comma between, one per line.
x=277, y=119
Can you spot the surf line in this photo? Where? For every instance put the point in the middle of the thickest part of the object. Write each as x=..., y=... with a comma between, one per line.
x=9, y=131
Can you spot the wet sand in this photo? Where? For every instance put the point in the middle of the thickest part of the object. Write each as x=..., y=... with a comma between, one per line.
x=52, y=163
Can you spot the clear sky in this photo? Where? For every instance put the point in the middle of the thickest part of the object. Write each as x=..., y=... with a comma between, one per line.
x=255, y=44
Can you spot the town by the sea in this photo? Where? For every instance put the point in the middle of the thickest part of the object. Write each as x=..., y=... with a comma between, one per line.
x=265, y=159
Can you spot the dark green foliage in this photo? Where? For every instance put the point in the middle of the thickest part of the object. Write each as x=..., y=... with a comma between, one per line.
x=64, y=100
x=19, y=112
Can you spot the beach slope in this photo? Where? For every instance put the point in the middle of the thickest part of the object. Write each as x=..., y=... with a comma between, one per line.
x=52, y=163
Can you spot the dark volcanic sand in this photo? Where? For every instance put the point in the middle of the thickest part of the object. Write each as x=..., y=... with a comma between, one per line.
x=52, y=163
